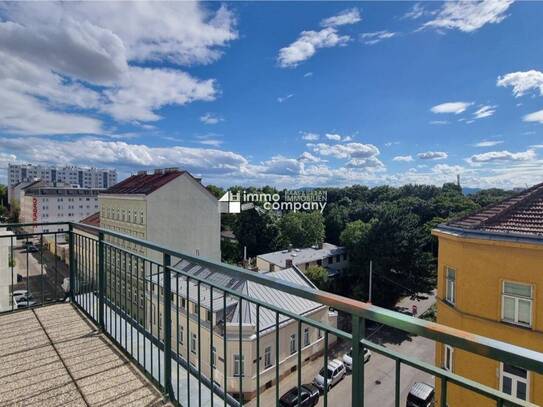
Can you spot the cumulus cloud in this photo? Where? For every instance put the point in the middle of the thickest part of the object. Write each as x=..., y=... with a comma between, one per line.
x=308, y=136
x=308, y=157
x=348, y=150
x=432, y=155
x=536, y=117
x=522, y=81
x=350, y=16
x=493, y=156
x=210, y=118
x=403, y=158
x=484, y=111
x=307, y=45
x=450, y=107
x=375, y=37
x=469, y=16
x=63, y=63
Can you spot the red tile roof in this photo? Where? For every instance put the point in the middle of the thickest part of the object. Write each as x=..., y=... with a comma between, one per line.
x=520, y=214
x=143, y=183
x=93, y=220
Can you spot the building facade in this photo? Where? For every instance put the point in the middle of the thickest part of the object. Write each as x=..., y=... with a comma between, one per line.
x=41, y=202
x=490, y=282
x=333, y=258
x=190, y=342
x=72, y=175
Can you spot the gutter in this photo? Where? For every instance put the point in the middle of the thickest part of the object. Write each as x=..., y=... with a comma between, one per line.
x=496, y=236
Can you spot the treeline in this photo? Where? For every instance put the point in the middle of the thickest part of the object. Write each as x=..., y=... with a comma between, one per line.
x=386, y=225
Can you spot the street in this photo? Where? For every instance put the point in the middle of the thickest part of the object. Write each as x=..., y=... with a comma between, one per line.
x=379, y=370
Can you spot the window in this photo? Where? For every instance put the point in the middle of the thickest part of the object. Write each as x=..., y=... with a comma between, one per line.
x=210, y=317
x=517, y=303
x=292, y=342
x=306, y=337
x=338, y=258
x=448, y=358
x=514, y=381
x=214, y=357
x=319, y=334
x=450, y=285
x=180, y=336
x=331, y=260
x=238, y=365
x=193, y=341
x=267, y=357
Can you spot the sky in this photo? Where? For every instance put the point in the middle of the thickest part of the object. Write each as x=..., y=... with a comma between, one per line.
x=289, y=94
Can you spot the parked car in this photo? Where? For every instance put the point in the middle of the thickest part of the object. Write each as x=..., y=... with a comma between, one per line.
x=32, y=249
x=334, y=372
x=421, y=395
x=348, y=358
x=24, y=297
x=26, y=303
x=309, y=395
x=17, y=294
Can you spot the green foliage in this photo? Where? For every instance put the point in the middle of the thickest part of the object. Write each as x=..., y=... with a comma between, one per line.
x=256, y=230
x=318, y=275
x=490, y=196
x=231, y=251
x=301, y=229
x=215, y=190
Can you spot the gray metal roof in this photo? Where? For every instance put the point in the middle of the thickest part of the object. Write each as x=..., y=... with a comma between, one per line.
x=289, y=302
x=300, y=256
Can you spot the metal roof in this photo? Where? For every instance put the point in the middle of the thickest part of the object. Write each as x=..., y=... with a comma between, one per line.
x=300, y=256
x=144, y=183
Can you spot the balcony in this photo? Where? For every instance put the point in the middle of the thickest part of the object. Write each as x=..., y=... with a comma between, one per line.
x=148, y=325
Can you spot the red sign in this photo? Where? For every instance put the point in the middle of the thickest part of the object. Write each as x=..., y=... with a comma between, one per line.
x=34, y=209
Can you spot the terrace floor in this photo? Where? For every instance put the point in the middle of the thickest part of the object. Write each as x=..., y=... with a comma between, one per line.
x=53, y=356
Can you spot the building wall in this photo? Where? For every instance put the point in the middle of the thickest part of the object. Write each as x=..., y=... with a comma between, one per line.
x=343, y=264
x=287, y=361
x=5, y=270
x=481, y=268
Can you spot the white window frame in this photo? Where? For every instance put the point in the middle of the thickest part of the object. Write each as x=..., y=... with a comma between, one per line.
x=450, y=295
x=448, y=357
x=214, y=357
x=517, y=299
x=268, y=361
x=307, y=338
x=515, y=379
x=239, y=365
x=292, y=344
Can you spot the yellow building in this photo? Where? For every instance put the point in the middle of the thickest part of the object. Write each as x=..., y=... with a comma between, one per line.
x=490, y=282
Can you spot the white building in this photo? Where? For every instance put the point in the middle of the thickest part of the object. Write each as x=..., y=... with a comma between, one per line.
x=41, y=202
x=333, y=258
x=5, y=270
x=83, y=177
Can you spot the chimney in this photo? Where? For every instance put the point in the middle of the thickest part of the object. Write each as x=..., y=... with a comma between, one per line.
x=142, y=172
x=288, y=263
x=171, y=169
x=159, y=171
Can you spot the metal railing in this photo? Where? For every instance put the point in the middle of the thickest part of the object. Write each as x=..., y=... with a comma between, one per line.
x=175, y=314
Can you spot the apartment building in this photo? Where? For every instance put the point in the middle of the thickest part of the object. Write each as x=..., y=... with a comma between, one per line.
x=42, y=202
x=83, y=177
x=333, y=258
x=490, y=281
x=213, y=315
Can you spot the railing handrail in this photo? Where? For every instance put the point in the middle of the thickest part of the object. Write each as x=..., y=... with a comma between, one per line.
x=491, y=348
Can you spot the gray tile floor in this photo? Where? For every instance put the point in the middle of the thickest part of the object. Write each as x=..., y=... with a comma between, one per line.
x=53, y=356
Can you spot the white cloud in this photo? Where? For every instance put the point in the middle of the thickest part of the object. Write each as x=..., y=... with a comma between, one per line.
x=488, y=143
x=375, y=37
x=308, y=74
x=522, y=82
x=450, y=107
x=210, y=118
x=348, y=150
x=415, y=12
x=210, y=140
x=403, y=158
x=350, y=16
x=334, y=137
x=282, y=99
x=308, y=157
x=432, y=155
x=493, y=156
x=469, y=16
x=308, y=136
x=307, y=44
x=63, y=63
x=484, y=111
x=439, y=122
x=536, y=117
x=280, y=165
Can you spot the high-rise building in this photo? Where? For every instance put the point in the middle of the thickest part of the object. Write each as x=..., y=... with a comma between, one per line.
x=73, y=175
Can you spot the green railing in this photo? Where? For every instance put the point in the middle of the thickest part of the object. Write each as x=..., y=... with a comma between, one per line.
x=174, y=314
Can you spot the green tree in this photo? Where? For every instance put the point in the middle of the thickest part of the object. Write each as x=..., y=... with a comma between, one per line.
x=215, y=190
x=301, y=229
x=257, y=231
x=231, y=251
x=318, y=276
x=335, y=219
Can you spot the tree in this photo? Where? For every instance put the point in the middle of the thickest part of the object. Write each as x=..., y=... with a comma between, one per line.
x=231, y=251
x=301, y=229
x=257, y=231
x=215, y=190
x=335, y=219
x=318, y=276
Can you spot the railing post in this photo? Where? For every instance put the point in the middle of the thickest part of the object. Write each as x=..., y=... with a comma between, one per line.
x=71, y=256
x=101, y=280
x=167, y=326
x=357, y=390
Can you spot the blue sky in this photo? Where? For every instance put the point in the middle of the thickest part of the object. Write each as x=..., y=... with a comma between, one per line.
x=287, y=94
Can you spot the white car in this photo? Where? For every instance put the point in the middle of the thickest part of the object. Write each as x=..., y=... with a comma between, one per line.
x=348, y=358
x=335, y=371
x=19, y=294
